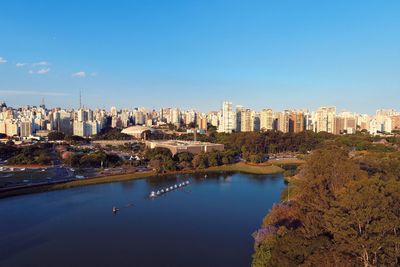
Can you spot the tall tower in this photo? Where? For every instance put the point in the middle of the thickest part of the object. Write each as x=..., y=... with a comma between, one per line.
x=42, y=105
x=80, y=98
x=228, y=118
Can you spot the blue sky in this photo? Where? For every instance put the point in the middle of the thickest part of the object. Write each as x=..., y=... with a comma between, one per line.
x=279, y=54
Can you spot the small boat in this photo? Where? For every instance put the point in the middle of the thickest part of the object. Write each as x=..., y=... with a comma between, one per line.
x=187, y=182
x=162, y=191
x=152, y=194
x=115, y=210
x=175, y=186
x=166, y=190
x=171, y=188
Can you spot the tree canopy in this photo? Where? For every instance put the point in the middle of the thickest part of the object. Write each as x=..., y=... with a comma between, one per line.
x=339, y=214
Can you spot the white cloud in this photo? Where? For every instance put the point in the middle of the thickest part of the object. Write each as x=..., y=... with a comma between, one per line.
x=17, y=92
x=41, y=63
x=43, y=71
x=79, y=74
x=20, y=65
x=2, y=60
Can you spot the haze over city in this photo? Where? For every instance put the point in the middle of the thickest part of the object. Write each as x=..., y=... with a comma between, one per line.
x=265, y=54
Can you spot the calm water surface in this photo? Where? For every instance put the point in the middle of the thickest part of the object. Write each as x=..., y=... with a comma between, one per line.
x=209, y=223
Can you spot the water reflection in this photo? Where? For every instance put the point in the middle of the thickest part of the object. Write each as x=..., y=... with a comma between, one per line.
x=208, y=223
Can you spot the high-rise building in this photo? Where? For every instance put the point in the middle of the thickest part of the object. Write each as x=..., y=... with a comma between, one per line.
x=175, y=116
x=255, y=121
x=325, y=119
x=363, y=121
x=79, y=128
x=266, y=120
x=213, y=118
x=139, y=118
x=246, y=121
x=282, y=121
x=116, y=122
x=375, y=126
x=125, y=118
x=81, y=115
x=113, y=111
x=387, y=125
x=26, y=129
x=228, y=118
x=296, y=122
x=190, y=117
x=239, y=110
x=345, y=123
x=11, y=128
x=395, y=122
x=201, y=122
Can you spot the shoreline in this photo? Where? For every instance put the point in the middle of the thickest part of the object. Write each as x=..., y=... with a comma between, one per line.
x=241, y=167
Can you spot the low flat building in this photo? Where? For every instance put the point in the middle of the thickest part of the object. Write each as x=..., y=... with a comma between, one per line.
x=178, y=146
x=140, y=132
x=105, y=143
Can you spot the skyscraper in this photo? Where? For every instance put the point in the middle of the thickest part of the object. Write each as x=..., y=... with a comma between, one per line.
x=283, y=121
x=26, y=128
x=246, y=124
x=325, y=119
x=228, y=118
x=296, y=122
x=266, y=119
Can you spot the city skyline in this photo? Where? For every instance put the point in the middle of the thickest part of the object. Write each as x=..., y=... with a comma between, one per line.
x=37, y=122
x=161, y=54
x=80, y=105
x=199, y=133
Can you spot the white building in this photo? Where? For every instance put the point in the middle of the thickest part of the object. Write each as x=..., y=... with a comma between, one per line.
x=267, y=120
x=228, y=118
x=325, y=119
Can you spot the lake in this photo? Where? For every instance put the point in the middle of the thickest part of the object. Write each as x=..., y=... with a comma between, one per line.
x=208, y=223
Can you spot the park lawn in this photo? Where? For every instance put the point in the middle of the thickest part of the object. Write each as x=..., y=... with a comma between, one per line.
x=105, y=179
x=238, y=167
x=248, y=168
x=287, y=161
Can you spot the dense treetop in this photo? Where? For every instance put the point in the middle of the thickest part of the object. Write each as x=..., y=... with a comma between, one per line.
x=343, y=210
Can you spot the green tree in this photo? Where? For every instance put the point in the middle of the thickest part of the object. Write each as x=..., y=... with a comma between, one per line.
x=200, y=161
x=184, y=156
x=214, y=159
x=364, y=221
x=56, y=136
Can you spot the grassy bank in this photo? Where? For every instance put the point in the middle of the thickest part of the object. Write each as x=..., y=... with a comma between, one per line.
x=247, y=168
x=293, y=161
x=27, y=166
x=77, y=183
x=261, y=169
x=238, y=167
x=105, y=179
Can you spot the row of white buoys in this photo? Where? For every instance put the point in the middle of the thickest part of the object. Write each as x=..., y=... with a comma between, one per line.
x=154, y=194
